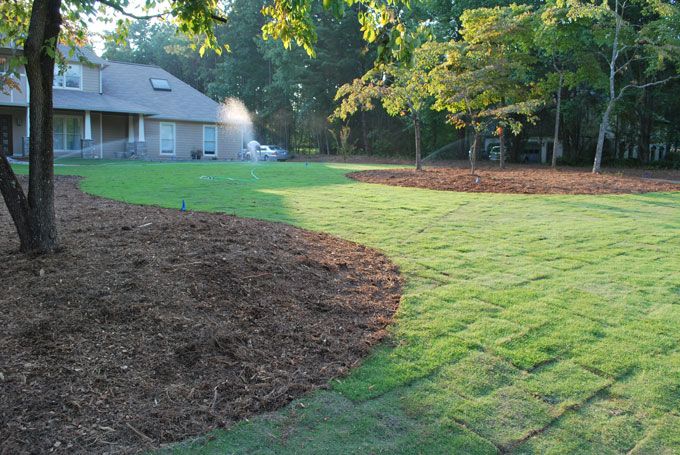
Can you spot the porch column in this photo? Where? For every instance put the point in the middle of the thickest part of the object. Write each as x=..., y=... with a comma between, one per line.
x=140, y=146
x=87, y=144
x=26, y=142
x=88, y=126
x=131, y=129
x=141, y=128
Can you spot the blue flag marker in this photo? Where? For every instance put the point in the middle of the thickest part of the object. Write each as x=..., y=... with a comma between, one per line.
x=184, y=206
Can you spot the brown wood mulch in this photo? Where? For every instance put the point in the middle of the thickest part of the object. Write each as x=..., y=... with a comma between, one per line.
x=154, y=325
x=528, y=180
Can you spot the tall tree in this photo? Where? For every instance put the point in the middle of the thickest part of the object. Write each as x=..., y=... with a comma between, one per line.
x=484, y=78
x=402, y=90
x=630, y=32
x=563, y=43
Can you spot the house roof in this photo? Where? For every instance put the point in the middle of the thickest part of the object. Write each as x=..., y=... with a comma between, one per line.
x=93, y=101
x=80, y=54
x=126, y=88
x=129, y=81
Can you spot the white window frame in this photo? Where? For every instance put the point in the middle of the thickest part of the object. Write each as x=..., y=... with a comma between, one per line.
x=63, y=118
x=174, y=139
x=63, y=76
x=213, y=155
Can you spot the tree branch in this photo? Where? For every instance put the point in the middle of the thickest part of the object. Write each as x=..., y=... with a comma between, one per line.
x=647, y=85
x=120, y=9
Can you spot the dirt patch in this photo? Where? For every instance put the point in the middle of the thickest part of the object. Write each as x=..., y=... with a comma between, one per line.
x=153, y=325
x=531, y=180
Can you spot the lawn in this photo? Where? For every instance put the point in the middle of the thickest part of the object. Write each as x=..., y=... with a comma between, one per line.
x=529, y=324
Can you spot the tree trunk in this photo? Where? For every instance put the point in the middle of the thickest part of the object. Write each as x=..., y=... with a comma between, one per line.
x=416, y=126
x=612, y=92
x=364, y=132
x=34, y=215
x=43, y=30
x=600, y=137
x=646, y=125
x=16, y=202
x=501, y=138
x=556, y=138
x=473, y=155
x=518, y=142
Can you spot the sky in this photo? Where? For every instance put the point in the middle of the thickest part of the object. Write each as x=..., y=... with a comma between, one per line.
x=97, y=27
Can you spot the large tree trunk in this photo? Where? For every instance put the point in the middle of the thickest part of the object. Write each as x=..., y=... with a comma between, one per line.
x=416, y=127
x=43, y=30
x=556, y=138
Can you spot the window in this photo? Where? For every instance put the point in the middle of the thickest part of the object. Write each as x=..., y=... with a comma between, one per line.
x=209, y=140
x=160, y=84
x=167, y=138
x=71, y=78
x=67, y=133
x=4, y=64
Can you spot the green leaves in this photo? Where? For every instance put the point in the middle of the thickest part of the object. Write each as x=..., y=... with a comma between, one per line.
x=487, y=77
x=290, y=21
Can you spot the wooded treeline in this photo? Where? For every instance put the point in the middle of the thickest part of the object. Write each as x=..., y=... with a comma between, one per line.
x=291, y=95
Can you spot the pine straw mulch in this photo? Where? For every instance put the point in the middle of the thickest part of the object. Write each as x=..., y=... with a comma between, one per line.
x=521, y=180
x=154, y=325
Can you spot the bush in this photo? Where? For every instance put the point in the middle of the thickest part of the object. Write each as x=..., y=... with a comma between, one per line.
x=670, y=161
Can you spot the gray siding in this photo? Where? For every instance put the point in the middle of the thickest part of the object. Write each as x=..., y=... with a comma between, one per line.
x=189, y=136
x=114, y=129
x=230, y=142
x=18, y=131
x=91, y=76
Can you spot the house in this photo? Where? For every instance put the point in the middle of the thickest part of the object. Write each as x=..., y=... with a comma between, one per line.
x=106, y=109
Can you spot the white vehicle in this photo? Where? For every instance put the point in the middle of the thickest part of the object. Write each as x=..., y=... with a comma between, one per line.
x=267, y=153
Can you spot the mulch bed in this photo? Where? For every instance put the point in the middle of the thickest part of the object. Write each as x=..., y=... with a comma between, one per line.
x=154, y=325
x=530, y=180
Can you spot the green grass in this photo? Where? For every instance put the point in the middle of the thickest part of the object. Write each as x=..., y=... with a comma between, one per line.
x=534, y=324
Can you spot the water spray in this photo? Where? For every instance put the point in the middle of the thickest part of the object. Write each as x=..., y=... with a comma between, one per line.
x=232, y=111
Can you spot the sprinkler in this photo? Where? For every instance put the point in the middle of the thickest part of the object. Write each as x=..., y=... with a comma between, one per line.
x=184, y=206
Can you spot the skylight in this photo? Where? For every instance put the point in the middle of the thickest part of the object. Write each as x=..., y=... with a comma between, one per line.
x=160, y=84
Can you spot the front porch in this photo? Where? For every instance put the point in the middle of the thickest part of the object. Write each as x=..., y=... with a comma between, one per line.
x=84, y=134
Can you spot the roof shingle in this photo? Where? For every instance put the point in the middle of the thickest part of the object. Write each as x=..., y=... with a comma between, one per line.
x=129, y=81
